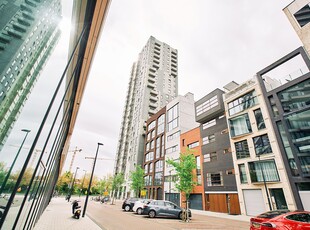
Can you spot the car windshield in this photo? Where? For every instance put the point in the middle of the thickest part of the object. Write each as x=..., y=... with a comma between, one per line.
x=272, y=214
x=300, y=217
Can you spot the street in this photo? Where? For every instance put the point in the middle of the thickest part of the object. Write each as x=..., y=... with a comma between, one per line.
x=112, y=217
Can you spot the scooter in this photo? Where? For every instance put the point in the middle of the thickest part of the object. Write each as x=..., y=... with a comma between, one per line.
x=76, y=209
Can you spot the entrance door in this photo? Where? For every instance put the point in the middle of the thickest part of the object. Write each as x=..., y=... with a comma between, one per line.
x=278, y=198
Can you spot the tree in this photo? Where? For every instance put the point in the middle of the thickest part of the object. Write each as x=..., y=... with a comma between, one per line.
x=117, y=182
x=137, y=178
x=184, y=171
x=3, y=172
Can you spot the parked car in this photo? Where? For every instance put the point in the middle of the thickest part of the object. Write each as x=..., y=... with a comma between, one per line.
x=163, y=208
x=129, y=203
x=138, y=206
x=255, y=222
x=298, y=220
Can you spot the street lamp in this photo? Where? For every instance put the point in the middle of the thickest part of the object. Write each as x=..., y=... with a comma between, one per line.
x=72, y=184
x=90, y=181
x=265, y=184
x=27, y=131
x=82, y=183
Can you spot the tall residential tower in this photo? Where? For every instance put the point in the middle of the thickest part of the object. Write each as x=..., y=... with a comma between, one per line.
x=28, y=33
x=153, y=83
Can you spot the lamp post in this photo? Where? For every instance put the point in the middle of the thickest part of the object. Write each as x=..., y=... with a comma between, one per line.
x=27, y=131
x=265, y=184
x=72, y=184
x=90, y=181
x=82, y=182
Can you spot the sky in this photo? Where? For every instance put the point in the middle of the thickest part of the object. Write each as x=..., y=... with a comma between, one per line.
x=217, y=41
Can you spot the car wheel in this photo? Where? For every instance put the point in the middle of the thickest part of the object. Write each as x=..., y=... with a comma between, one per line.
x=181, y=215
x=152, y=214
x=139, y=211
x=127, y=208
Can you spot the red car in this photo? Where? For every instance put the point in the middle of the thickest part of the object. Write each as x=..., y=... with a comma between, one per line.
x=298, y=220
x=255, y=222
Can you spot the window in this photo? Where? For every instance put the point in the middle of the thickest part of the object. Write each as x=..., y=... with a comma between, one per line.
x=151, y=125
x=146, y=168
x=242, y=149
x=157, y=147
x=207, y=105
x=153, y=134
x=171, y=149
x=173, y=117
x=300, y=217
x=263, y=169
x=151, y=156
x=262, y=144
x=208, y=139
x=173, y=136
x=148, y=136
x=152, y=144
x=240, y=125
x=161, y=124
x=242, y=173
x=197, y=162
x=227, y=150
x=193, y=145
x=158, y=180
x=159, y=166
x=151, y=167
x=303, y=15
x=199, y=180
x=162, y=152
x=209, y=124
x=214, y=179
x=259, y=119
x=242, y=103
x=210, y=157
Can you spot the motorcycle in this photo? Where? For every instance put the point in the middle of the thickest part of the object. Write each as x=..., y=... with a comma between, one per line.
x=76, y=209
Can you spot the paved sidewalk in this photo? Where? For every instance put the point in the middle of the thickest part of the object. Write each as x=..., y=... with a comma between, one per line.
x=222, y=215
x=58, y=216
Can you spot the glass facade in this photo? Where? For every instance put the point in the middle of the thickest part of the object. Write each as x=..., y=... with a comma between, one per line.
x=299, y=128
x=296, y=97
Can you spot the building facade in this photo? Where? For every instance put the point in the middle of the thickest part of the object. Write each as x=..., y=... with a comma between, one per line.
x=153, y=83
x=180, y=118
x=191, y=141
x=154, y=154
x=162, y=142
x=288, y=108
x=28, y=35
x=218, y=169
x=259, y=168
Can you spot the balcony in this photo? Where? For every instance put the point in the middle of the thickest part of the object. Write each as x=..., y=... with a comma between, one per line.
x=15, y=33
x=153, y=98
x=28, y=16
x=154, y=93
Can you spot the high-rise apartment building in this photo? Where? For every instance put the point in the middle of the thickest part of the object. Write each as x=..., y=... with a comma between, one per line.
x=27, y=37
x=153, y=83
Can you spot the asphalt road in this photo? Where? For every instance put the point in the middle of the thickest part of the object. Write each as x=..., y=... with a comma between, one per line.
x=112, y=217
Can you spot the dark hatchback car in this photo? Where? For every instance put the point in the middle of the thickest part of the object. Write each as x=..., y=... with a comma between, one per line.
x=163, y=208
x=129, y=203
